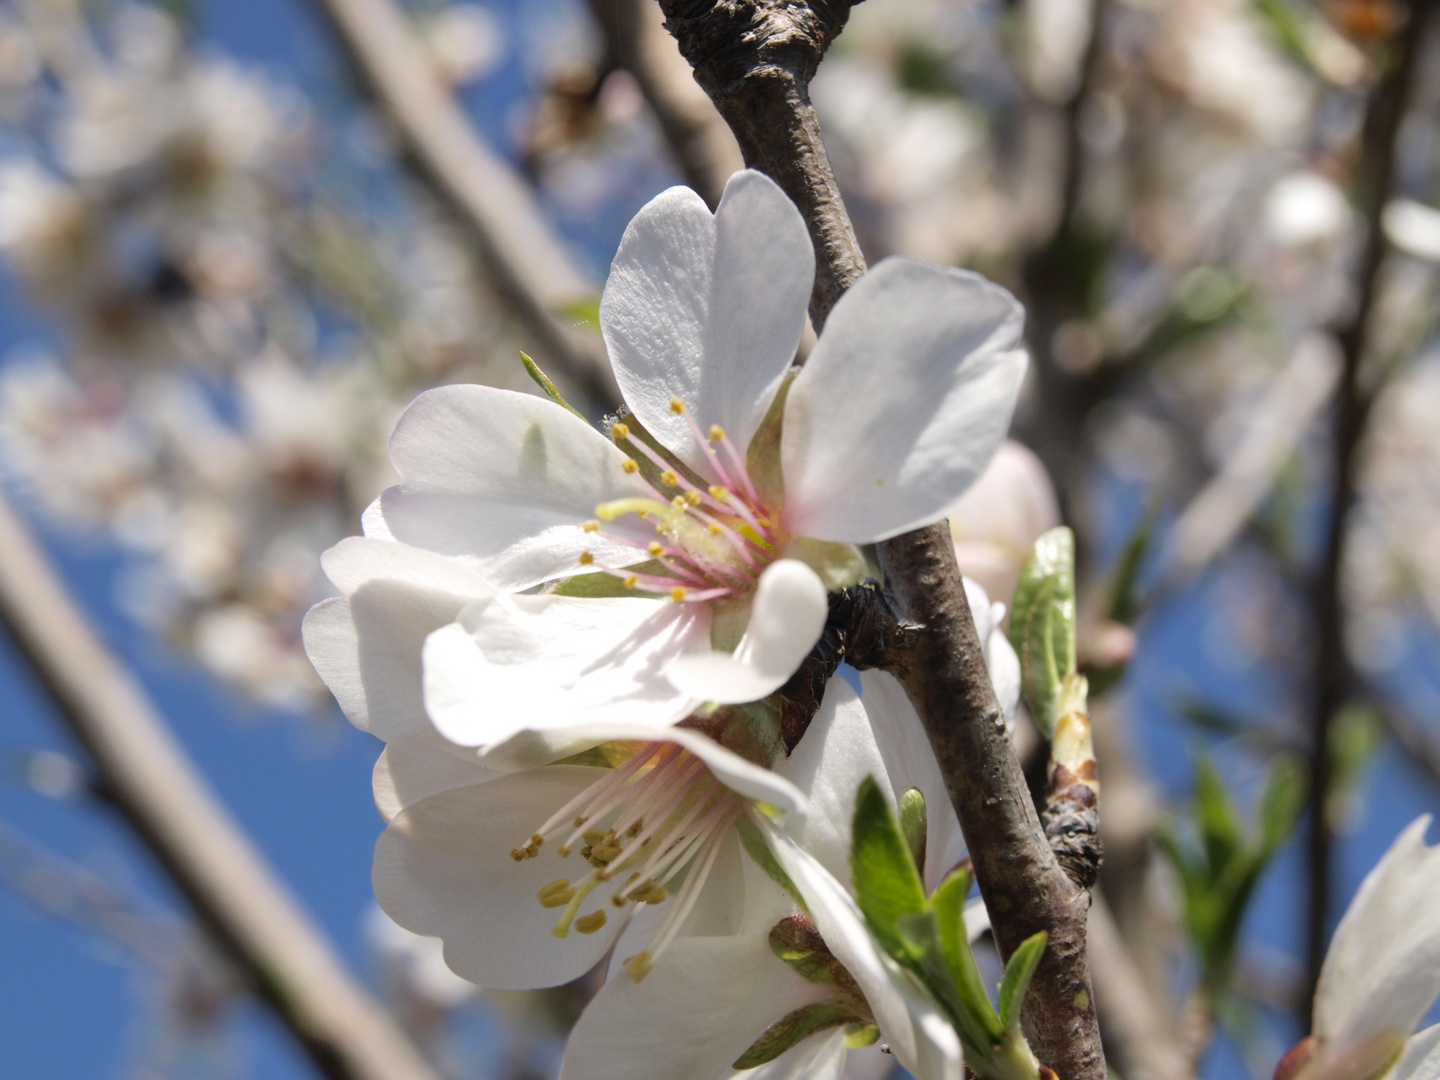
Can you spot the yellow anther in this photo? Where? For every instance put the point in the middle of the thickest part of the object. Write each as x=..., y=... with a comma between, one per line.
x=677, y=406
x=564, y=851
x=639, y=966
x=518, y=854
x=629, y=465
x=620, y=431
x=716, y=433
x=556, y=894
x=586, y=558
x=636, y=828
x=536, y=839
x=679, y=502
x=669, y=479
x=677, y=593
x=590, y=526
x=643, y=515
x=718, y=493
x=580, y=821
x=715, y=529
x=594, y=836
x=693, y=498
x=656, y=548
x=631, y=581
x=588, y=924
x=619, y=901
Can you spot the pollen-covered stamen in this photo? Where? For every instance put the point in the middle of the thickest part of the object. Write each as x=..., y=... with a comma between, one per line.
x=657, y=819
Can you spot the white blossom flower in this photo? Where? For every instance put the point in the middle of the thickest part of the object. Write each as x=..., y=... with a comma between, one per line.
x=712, y=996
x=686, y=550
x=1380, y=976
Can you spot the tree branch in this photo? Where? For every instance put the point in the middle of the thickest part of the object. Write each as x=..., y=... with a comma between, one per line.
x=756, y=58
x=145, y=775
x=1374, y=175
x=704, y=149
x=530, y=263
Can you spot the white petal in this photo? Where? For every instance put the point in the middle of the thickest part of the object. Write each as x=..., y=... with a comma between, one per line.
x=357, y=560
x=708, y=309
x=786, y=619
x=706, y=1001
x=980, y=609
x=538, y=663
x=1004, y=667
x=1420, y=1059
x=902, y=404
x=366, y=646
x=421, y=765
x=1383, y=967
x=835, y=755
x=911, y=764
x=503, y=481
x=443, y=868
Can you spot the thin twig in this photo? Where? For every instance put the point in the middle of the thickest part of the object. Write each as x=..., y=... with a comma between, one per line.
x=755, y=59
x=1217, y=514
x=529, y=262
x=704, y=149
x=1375, y=171
x=144, y=774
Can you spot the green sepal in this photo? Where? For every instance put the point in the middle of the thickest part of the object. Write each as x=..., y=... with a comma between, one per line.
x=759, y=851
x=795, y=941
x=914, y=825
x=837, y=565
x=1042, y=624
x=1016, y=981
x=600, y=585
x=886, y=883
x=551, y=390
x=859, y=1036
x=791, y=1028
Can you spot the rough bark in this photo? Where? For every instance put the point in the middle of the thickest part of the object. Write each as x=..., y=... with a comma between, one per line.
x=756, y=58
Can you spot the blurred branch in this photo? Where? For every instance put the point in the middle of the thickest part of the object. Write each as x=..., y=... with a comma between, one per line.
x=145, y=775
x=1217, y=514
x=755, y=59
x=704, y=148
x=1375, y=170
x=529, y=261
x=1143, y=1037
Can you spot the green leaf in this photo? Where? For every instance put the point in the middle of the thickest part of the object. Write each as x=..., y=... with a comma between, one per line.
x=1282, y=800
x=887, y=886
x=791, y=1028
x=551, y=390
x=949, y=904
x=1124, y=591
x=913, y=824
x=1042, y=624
x=759, y=851
x=1221, y=827
x=1016, y=981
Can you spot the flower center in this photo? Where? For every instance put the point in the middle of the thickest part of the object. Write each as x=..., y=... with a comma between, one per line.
x=655, y=824
x=711, y=542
